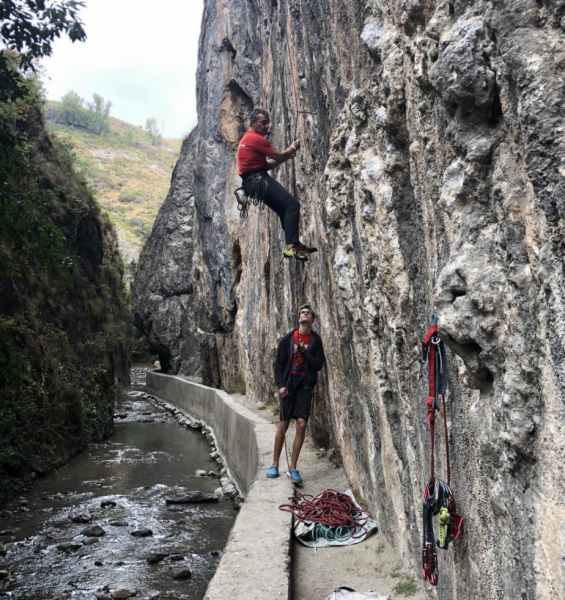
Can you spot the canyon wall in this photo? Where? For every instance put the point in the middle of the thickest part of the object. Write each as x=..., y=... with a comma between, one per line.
x=64, y=318
x=432, y=179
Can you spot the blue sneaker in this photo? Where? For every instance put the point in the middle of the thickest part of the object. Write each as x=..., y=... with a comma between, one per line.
x=273, y=472
x=295, y=476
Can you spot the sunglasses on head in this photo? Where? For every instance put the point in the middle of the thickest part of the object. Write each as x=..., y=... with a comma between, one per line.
x=305, y=312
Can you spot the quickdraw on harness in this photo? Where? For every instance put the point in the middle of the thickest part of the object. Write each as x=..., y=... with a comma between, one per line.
x=254, y=194
x=438, y=498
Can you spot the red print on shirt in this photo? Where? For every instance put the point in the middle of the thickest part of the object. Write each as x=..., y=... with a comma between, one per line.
x=298, y=365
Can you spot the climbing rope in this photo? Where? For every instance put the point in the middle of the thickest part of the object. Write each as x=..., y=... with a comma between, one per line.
x=335, y=514
x=297, y=110
x=261, y=77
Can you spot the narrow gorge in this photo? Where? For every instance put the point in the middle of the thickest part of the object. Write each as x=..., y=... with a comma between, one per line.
x=432, y=179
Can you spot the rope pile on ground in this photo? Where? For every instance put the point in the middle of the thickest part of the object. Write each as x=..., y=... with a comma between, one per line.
x=334, y=513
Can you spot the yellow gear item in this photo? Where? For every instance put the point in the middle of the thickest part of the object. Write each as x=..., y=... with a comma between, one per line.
x=443, y=520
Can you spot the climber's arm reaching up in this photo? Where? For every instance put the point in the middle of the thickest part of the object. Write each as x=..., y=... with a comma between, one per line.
x=274, y=159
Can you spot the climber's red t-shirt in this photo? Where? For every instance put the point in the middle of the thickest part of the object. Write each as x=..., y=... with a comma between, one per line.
x=252, y=152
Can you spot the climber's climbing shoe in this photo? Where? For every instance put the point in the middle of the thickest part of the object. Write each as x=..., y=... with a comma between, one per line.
x=273, y=472
x=295, y=476
x=305, y=249
x=296, y=254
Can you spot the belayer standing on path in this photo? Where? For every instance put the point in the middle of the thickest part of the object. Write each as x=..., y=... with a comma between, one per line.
x=300, y=356
x=256, y=156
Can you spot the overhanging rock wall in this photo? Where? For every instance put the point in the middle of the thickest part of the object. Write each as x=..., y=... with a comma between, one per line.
x=431, y=177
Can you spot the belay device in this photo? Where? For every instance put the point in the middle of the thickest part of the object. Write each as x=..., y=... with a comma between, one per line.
x=438, y=497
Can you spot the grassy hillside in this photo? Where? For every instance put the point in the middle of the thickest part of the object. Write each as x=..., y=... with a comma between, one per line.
x=130, y=177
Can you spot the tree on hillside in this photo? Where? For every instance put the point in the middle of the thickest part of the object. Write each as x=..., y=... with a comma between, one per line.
x=92, y=116
x=98, y=117
x=72, y=110
x=30, y=26
x=152, y=131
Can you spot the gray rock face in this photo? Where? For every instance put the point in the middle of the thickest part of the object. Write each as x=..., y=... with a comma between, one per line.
x=166, y=315
x=431, y=177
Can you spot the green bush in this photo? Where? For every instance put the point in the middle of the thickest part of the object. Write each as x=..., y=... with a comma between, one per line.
x=130, y=198
x=92, y=116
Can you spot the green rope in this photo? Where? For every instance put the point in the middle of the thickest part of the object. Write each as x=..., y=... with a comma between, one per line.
x=332, y=533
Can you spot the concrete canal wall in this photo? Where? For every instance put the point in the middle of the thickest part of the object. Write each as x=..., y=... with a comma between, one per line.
x=256, y=560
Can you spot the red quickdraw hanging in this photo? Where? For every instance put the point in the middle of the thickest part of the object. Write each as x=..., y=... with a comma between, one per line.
x=438, y=498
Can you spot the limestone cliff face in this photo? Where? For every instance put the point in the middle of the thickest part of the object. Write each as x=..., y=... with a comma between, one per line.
x=432, y=179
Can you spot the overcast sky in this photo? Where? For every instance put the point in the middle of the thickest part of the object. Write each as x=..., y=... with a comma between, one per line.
x=140, y=54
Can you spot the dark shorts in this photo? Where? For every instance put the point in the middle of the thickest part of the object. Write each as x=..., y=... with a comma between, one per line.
x=297, y=404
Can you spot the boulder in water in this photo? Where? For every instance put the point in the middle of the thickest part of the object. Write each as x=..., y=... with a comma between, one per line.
x=81, y=518
x=156, y=557
x=142, y=532
x=123, y=593
x=180, y=573
x=69, y=546
x=191, y=497
x=93, y=531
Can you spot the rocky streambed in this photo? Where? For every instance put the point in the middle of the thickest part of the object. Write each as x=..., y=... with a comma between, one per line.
x=145, y=513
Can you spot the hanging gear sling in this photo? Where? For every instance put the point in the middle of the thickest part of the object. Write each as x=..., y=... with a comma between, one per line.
x=256, y=189
x=438, y=498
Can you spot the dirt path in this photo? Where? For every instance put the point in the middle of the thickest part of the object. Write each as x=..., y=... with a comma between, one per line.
x=372, y=565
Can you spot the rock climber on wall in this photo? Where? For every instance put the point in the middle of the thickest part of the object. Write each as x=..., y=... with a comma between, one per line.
x=256, y=156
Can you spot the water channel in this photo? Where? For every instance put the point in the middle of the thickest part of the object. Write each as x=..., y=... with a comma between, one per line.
x=120, y=485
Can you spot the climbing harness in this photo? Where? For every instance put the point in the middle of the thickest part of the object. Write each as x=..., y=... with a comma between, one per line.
x=252, y=192
x=438, y=497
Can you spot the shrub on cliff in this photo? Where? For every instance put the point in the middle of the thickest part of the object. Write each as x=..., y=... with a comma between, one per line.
x=63, y=311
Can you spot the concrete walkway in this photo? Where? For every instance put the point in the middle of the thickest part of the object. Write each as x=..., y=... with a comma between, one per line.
x=261, y=541
x=372, y=565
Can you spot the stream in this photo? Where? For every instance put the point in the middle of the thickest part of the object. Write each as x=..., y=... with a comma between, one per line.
x=87, y=530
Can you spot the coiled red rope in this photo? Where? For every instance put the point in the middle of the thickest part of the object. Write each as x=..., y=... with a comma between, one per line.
x=329, y=508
